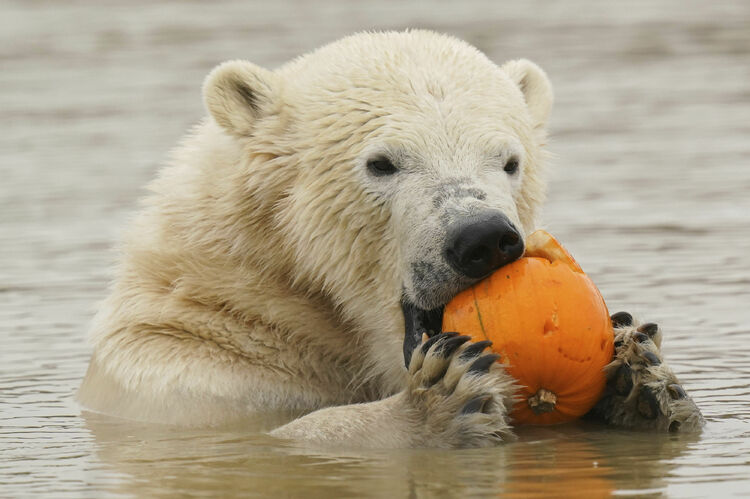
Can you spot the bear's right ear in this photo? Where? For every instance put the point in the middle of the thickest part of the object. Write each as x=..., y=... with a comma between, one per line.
x=237, y=93
x=535, y=87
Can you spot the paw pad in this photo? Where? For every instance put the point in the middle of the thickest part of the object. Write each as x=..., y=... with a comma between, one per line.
x=649, y=328
x=651, y=358
x=623, y=381
x=676, y=391
x=621, y=319
x=640, y=337
x=648, y=406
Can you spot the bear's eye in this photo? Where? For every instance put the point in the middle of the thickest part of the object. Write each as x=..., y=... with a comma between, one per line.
x=511, y=166
x=381, y=166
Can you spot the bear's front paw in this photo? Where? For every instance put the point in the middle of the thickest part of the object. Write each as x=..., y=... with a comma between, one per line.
x=642, y=391
x=458, y=396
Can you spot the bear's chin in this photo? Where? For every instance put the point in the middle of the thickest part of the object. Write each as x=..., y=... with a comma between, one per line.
x=416, y=322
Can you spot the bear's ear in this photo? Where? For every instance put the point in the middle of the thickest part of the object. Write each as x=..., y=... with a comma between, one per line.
x=237, y=93
x=535, y=87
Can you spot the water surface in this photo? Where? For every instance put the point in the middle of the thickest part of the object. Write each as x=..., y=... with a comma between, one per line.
x=650, y=190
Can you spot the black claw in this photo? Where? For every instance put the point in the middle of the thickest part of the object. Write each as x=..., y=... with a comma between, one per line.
x=640, y=337
x=648, y=406
x=477, y=404
x=435, y=339
x=451, y=345
x=623, y=382
x=475, y=349
x=652, y=358
x=483, y=363
x=621, y=319
x=649, y=328
x=676, y=391
x=674, y=426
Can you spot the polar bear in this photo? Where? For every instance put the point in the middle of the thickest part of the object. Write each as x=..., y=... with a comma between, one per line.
x=296, y=253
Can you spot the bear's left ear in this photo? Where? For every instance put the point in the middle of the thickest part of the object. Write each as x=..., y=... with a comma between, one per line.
x=535, y=87
x=238, y=93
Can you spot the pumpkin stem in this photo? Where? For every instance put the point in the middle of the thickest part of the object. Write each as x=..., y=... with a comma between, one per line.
x=543, y=401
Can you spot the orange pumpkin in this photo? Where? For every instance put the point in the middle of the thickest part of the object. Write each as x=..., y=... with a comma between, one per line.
x=550, y=326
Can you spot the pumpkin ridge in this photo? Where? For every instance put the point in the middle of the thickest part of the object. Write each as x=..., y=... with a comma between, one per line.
x=592, y=372
x=520, y=319
x=535, y=286
x=587, y=376
x=548, y=274
x=479, y=313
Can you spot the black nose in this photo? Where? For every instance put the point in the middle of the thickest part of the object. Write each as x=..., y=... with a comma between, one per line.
x=477, y=246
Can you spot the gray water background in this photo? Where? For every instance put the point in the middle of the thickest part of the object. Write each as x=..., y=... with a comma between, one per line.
x=650, y=190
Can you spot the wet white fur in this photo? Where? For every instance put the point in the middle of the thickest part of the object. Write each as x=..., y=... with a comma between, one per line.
x=265, y=269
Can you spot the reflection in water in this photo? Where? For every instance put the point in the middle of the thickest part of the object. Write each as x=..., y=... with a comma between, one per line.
x=581, y=460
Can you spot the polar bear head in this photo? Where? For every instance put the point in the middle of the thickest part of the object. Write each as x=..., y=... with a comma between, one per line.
x=396, y=167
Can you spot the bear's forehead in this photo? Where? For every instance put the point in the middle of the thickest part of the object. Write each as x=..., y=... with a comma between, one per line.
x=419, y=89
x=418, y=63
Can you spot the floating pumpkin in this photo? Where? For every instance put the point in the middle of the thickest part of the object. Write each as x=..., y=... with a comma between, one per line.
x=550, y=325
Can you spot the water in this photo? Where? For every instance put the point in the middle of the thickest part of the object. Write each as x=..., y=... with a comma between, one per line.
x=649, y=190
